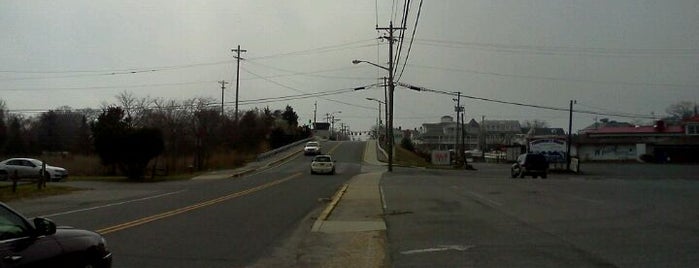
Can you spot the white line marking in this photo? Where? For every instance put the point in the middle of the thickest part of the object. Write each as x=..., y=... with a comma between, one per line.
x=438, y=249
x=484, y=199
x=111, y=205
x=383, y=198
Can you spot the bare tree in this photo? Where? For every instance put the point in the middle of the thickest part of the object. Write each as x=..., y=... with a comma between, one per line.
x=680, y=111
x=536, y=123
x=135, y=108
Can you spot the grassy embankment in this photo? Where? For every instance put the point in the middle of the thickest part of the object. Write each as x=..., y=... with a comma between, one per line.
x=88, y=168
x=29, y=190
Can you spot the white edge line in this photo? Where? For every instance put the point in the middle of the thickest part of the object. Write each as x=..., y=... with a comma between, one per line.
x=437, y=249
x=383, y=198
x=111, y=204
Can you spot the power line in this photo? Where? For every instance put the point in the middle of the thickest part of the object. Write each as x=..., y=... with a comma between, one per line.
x=137, y=70
x=325, y=49
x=311, y=73
x=301, y=91
x=403, y=23
x=122, y=71
x=243, y=102
x=412, y=38
x=107, y=87
x=563, y=50
x=628, y=115
x=555, y=78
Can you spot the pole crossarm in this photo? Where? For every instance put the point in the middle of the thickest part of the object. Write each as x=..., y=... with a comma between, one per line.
x=417, y=88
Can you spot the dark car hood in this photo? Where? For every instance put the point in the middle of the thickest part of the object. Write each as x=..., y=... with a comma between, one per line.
x=71, y=232
x=73, y=240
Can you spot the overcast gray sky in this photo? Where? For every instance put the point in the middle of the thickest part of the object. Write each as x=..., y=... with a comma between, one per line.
x=612, y=56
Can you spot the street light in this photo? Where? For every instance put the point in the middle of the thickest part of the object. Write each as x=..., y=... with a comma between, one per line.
x=330, y=118
x=378, y=123
x=389, y=101
x=371, y=63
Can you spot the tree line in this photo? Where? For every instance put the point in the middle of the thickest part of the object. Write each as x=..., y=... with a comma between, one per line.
x=128, y=134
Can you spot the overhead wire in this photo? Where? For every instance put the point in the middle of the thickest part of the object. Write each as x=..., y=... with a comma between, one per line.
x=139, y=70
x=562, y=50
x=107, y=87
x=309, y=73
x=301, y=91
x=454, y=93
x=412, y=38
x=325, y=49
x=403, y=23
x=555, y=78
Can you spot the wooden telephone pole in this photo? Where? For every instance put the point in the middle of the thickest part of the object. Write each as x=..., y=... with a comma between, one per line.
x=237, y=79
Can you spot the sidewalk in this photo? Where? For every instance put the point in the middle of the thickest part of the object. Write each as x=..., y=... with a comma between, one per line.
x=351, y=230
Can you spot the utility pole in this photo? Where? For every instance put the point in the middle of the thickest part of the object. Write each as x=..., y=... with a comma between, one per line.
x=385, y=100
x=223, y=87
x=459, y=128
x=570, y=133
x=483, y=137
x=315, y=110
x=237, y=79
x=391, y=88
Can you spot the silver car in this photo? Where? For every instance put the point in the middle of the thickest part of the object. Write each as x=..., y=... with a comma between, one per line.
x=323, y=164
x=30, y=168
x=311, y=148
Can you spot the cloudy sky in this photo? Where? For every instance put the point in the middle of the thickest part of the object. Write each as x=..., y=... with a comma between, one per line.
x=612, y=57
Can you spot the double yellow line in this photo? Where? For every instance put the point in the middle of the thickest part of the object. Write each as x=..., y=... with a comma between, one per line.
x=171, y=213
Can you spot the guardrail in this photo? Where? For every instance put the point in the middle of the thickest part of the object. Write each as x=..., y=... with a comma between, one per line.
x=281, y=149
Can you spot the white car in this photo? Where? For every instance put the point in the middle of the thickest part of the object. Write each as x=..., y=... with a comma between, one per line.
x=323, y=164
x=30, y=168
x=312, y=147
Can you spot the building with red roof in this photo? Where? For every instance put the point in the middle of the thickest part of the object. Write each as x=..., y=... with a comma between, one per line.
x=659, y=142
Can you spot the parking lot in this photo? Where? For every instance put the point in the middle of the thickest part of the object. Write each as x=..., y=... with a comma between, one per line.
x=611, y=215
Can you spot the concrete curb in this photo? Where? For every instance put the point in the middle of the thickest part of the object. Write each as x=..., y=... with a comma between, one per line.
x=328, y=209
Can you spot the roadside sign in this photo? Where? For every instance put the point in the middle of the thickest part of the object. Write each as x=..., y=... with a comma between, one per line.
x=441, y=158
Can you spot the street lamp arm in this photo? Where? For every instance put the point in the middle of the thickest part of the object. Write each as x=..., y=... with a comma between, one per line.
x=371, y=63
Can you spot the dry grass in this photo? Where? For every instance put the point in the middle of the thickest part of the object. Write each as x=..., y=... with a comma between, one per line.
x=82, y=167
x=29, y=190
x=408, y=158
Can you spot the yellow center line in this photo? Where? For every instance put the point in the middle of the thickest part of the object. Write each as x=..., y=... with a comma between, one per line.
x=171, y=213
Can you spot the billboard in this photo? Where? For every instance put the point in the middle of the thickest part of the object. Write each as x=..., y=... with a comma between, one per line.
x=553, y=149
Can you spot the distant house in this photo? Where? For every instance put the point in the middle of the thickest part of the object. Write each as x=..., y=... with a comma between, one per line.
x=500, y=133
x=438, y=136
x=673, y=143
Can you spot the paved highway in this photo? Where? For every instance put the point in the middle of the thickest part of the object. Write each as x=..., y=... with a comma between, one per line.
x=203, y=223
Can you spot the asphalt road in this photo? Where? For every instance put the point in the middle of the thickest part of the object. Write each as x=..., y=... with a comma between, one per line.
x=203, y=223
x=614, y=215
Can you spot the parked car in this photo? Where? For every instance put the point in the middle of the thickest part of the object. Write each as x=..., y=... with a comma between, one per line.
x=323, y=164
x=530, y=164
x=39, y=243
x=312, y=148
x=30, y=168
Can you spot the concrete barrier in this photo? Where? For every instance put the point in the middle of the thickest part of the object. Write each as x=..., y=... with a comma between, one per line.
x=284, y=148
